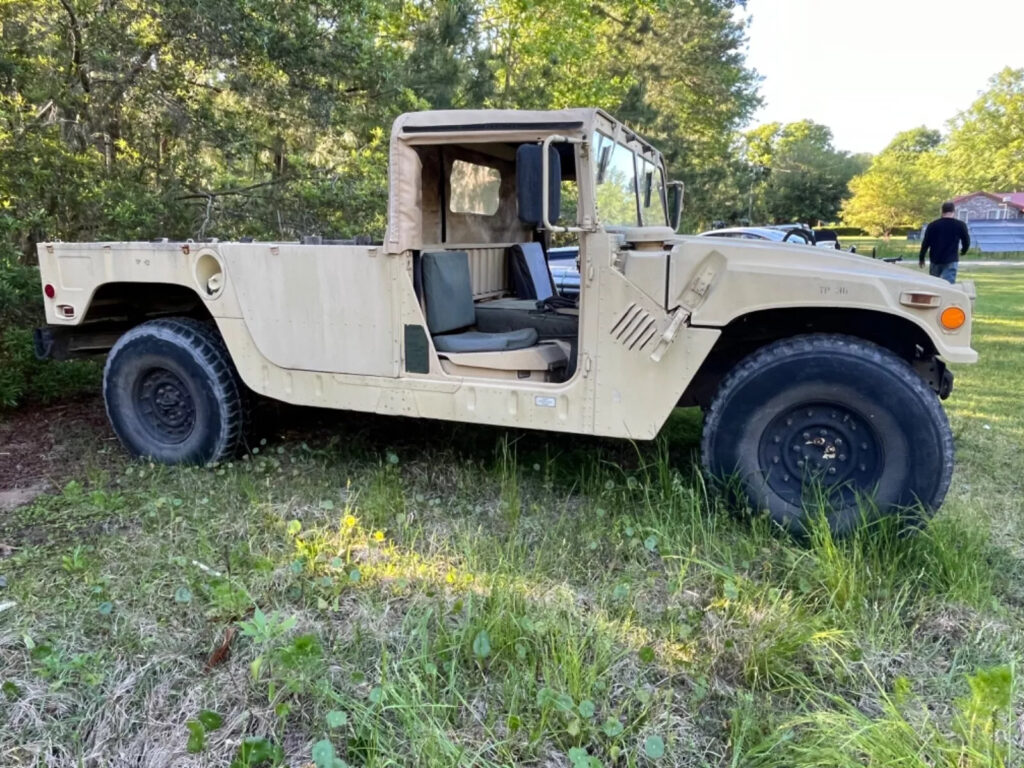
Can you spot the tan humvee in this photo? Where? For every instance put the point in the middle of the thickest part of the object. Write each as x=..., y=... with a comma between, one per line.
x=814, y=368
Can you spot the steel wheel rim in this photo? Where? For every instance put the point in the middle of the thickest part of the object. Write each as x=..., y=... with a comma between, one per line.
x=821, y=445
x=164, y=406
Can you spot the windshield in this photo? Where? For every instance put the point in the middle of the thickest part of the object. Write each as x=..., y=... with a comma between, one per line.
x=621, y=201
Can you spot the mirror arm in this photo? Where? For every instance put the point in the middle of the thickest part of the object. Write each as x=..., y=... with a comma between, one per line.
x=545, y=170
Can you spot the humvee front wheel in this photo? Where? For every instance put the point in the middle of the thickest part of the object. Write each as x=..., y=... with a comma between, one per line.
x=172, y=393
x=828, y=418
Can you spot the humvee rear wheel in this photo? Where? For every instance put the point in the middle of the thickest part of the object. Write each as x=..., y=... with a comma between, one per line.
x=828, y=418
x=172, y=393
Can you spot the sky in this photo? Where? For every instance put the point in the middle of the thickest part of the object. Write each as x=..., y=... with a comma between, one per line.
x=871, y=68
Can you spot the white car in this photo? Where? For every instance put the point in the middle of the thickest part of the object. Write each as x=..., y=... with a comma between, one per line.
x=792, y=235
x=779, y=233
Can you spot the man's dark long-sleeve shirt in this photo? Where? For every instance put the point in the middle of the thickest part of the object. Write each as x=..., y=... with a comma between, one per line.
x=942, y=236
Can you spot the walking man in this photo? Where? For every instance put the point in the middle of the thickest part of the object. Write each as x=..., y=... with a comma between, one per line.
x=944, y=236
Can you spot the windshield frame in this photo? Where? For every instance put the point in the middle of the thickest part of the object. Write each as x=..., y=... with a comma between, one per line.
x=641, y=159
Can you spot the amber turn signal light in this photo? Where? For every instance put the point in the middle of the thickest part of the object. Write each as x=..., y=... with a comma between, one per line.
x=952, y=318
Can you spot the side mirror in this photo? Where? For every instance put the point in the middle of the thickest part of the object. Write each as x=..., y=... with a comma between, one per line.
x=675, y=204
x=530, y=184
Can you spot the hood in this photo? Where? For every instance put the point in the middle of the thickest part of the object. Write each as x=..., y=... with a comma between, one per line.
x=744, y=277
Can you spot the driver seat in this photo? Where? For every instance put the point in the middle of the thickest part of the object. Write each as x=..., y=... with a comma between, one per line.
x=465, y=351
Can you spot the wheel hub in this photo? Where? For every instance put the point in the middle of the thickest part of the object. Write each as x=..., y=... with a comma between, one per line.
x=822, y=443
x=164, y=405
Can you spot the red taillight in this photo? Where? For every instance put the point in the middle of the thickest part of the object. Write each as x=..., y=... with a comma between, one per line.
x=49, y=290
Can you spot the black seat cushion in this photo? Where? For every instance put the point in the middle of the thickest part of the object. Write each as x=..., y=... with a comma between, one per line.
x=513, y=314
x=474, y=341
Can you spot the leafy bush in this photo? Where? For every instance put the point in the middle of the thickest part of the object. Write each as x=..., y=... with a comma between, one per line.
x=23, y=378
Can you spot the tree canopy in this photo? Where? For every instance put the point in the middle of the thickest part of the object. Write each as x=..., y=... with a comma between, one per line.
x=900, y=188
x=795, y=172
x=985, y=148
x=140, y=119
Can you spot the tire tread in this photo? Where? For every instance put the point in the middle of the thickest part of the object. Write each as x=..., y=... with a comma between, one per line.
x=831, y=343
x=205, y=342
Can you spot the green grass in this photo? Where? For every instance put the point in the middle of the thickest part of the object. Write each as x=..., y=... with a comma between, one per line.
x=899, y=247
x=416, y=593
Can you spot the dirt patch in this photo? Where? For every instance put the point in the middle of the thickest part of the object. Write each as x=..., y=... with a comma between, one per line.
x=42, y=447
x=15, y=497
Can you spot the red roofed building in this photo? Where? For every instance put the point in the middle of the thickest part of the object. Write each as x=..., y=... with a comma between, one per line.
x=990, y=205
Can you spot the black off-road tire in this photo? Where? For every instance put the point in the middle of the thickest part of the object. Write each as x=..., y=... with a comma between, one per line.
x=172, y=393
x=834, y=414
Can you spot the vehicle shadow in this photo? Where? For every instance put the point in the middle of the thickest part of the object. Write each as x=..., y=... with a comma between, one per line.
x=361, y=436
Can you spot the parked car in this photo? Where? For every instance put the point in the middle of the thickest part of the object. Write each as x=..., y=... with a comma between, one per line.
x=773, y=234
x=819, y=374
x=791, y=233
x=564, y=263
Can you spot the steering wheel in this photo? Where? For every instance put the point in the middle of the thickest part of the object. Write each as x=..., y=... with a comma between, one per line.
x=805, y=233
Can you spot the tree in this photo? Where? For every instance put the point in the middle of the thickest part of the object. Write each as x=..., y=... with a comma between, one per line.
x=985, y=148
x=795, y=172
x=133, y=120
x=900, y=189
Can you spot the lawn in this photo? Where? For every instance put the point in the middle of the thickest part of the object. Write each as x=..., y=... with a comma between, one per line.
x=898, y=246
x=381, y=592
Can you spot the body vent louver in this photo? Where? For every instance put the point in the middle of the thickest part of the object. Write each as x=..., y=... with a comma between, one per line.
x=634, y=328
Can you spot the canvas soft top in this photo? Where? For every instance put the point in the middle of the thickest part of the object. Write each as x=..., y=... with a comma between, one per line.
x=405, y=223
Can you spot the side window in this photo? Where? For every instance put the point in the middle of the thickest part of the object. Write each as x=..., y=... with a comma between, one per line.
x=474, y=188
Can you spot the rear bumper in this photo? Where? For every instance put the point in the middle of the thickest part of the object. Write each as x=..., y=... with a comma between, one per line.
x=56, y=343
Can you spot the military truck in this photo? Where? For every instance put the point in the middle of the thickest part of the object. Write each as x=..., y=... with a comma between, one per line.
x=814, y=370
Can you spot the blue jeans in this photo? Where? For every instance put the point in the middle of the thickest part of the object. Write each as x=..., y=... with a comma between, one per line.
x=946, y=271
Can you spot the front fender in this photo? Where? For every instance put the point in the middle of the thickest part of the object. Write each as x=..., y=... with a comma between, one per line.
x=751, y=277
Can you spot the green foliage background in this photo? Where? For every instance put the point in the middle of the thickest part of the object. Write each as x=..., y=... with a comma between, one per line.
x=132, y=120
x=21, y=375
x=135, y=120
